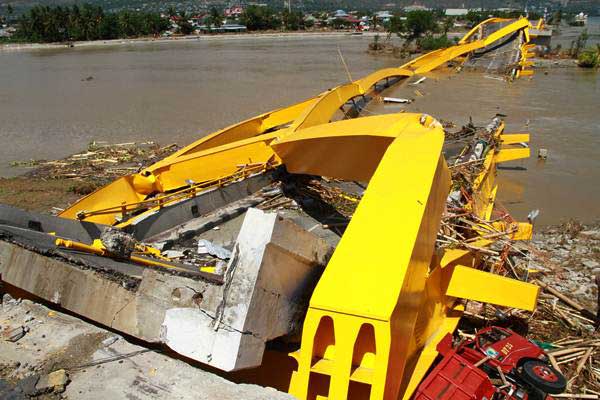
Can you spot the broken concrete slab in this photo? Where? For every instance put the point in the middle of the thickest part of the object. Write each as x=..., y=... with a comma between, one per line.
x=122, y=370
x=274, y=267
x=225, y=323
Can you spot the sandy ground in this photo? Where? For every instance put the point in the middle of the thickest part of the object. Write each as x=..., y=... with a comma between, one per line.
x=100, y=364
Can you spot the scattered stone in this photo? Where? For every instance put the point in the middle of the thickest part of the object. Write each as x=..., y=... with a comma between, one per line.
x=590, y=264
x=592, y=234
x=8, y=299
x=173, y=254
x=4, y=387
x=27, y=385
x=55, y=382
x=14, y=395
x=117, y=242
x=563, y=252
x=16, y=334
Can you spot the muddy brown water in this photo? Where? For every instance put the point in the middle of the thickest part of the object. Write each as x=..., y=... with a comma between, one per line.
x=178, y=92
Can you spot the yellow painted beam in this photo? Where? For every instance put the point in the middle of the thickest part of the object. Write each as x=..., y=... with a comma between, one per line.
x=389, y=239
x=511, y=154
x=472, y=284
x=326, y=149
x=514, y=138
x=436, y=58
x=429, y=353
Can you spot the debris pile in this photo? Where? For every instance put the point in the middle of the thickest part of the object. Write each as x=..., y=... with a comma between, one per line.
x=101, y=160
x=564, y=261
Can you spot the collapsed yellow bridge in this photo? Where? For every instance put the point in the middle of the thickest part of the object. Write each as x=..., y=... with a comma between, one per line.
x=388, y=294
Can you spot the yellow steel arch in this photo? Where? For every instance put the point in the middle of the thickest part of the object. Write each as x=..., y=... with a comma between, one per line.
x=248, y=142
x=386, y=298
x=333, y=149
x=436, y=58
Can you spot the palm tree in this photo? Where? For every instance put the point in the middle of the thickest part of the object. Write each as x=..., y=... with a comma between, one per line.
x=215, y=18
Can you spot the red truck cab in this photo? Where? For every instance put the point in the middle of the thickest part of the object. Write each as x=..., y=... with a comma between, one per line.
x=504, y=348
x=497, y=363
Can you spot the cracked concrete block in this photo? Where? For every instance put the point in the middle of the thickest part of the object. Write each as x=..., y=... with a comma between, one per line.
x=225, y=322
x=272, y=272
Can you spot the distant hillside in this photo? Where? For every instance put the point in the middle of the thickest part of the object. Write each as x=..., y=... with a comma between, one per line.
x=21, y=5
x=590, y=6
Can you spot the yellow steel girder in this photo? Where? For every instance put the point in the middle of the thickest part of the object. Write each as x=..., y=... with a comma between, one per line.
x=356, y=327
x=385, y=298
x=248, y=142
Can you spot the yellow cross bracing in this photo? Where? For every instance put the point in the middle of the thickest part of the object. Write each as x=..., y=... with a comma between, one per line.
x=220, y=154
x=386, y=297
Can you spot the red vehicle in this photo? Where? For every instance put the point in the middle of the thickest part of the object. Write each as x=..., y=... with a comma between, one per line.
x=496, y=364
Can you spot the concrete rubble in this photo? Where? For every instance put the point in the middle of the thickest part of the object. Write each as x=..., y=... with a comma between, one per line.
x=568, y=257
x=221, y=320
x=64, y=357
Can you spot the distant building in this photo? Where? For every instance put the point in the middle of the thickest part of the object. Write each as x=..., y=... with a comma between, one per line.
x=233, y=11
x=415, y=7
x=340, y=14
x=456, y=12
x=223, y=28
x=384, y=16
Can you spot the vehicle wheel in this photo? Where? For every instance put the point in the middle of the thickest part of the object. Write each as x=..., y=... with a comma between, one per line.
x=543, y=377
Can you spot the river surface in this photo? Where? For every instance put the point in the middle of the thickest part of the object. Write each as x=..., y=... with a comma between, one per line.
x=180, y=91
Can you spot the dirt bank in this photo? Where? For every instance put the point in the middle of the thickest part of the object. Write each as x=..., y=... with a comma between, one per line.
x=546, y=63
x=52, y=185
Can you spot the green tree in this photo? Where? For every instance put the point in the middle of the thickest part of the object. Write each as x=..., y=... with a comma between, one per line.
x=418, y=23
x=556, y=18
x=259, y=18
x=108, y=28
x=578, y=45
x=475, y=17
x=292, y=21
x=447, y=24
x=590, y=58
x=430, y=42
x=87, y=22
x=374, y=21
x=185, y=27
x=156, y=23
x=396, y=25
x=214, y=19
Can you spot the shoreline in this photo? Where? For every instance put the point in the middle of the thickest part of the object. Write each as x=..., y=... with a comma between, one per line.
x=15, y=47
